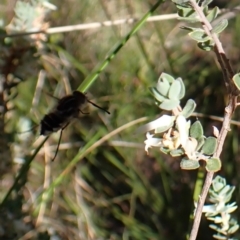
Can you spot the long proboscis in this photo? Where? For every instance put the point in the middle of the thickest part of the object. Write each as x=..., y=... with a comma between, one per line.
x=98, y=107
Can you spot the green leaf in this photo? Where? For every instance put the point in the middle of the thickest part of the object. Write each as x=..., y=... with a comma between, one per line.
x=212, y=14
x=182, y=92
x=174, y=90
x=226, y=193
x=201, y=141
x=188, y=108
x=209, y=146
x=163, y=85
x=159, y=97
x=218, y=183
x=233, y=229
x=191, y=29
x=199, y=36
x=214, y=227
x=169, y=104
x=188, y=13
x=180, y=1
x=177, y=152
x=218, y=236
x=213, y=164
x=189, y=164
x=188, y=19
x=164, y=150
x=167, y=77
x=196, y=130
x=236, y=80
x=205, y=10
x=206, y=46
x=220, y=26
x=206, y=3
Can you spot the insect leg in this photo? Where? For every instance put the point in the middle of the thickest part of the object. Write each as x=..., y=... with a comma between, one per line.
x=82, y=112
x=59, y=140
x=50, y=95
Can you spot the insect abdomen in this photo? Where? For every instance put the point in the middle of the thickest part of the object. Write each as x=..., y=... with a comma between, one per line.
x=52, y=122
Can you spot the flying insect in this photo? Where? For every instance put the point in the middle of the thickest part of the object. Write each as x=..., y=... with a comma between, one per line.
x=64, y=112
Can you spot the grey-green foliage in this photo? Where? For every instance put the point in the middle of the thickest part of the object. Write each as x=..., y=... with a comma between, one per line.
x=220, y=211
x=29, y=15
x=187, y=13
x=236, y=80
x=178, y=136
x=168, y=91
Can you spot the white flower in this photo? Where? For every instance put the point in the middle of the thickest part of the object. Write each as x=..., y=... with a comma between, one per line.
x=151, y=142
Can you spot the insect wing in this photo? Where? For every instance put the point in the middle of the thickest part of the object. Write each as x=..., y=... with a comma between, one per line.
x=70, y=105
x=52, y=122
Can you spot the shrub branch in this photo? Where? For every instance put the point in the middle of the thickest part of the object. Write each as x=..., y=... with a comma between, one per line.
x=233, y=92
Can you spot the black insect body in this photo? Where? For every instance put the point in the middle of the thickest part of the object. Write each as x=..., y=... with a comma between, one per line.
x=52, y=122
x=70, y=105
x=66, y=109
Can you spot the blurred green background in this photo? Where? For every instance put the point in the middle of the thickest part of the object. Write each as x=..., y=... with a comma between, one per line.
x=115, y=191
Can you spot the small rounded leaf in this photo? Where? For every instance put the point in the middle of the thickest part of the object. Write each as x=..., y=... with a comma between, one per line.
x=218, y=183
x=188, y=164
x=177, y=152
x=217, y=236
x=209, y=146
x=206, y=46
x=192, y=19
x=220, y=26
x=201, y=141
x=174, y=90
x=236, y=80
x=180, y=2
x=199, y=36
x=196, y=130
x=182, y=92
x=186, y=12
x=206, y=3
x=233, y=229
x=188, y=108
x=213, y=164
x=164, y=150
x=188, y=28
x=167, y=77
x=156, y=94
x=212, y=14
x=169, y=105
x=163, y=84
x=214, y=227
